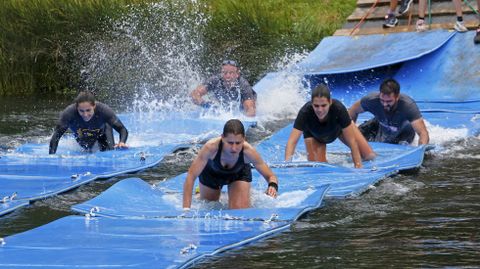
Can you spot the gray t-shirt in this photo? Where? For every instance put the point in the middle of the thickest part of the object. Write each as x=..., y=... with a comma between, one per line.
x=239, y=92
x=392, y=123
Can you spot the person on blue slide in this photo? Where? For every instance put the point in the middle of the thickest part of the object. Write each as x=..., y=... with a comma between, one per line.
x=227, y=160
x=396, y=116
x=229, y=89
x=321, y=121
x=91, y=122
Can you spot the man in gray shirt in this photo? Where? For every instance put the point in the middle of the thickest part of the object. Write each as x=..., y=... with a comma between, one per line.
x=228, y=88
x=396, y=116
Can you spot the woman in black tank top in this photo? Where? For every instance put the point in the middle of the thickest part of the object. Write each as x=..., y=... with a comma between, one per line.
x=227, y=160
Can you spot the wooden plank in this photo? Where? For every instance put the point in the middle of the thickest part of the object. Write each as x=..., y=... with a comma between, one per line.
x=369, y=3
x=379, y=30
x=441, y=8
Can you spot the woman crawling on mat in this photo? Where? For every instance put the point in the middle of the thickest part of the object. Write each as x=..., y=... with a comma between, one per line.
x=226, y=160
x=90, y=122
x=322, y=120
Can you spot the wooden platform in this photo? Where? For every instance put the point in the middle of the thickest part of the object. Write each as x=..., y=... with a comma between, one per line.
x=443, y=16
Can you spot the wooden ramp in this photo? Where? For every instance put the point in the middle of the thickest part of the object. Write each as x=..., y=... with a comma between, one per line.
x=366, y=20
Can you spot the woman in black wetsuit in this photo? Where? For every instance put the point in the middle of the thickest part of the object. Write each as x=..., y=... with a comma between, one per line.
x=90, y=122
x=322, y=120
x=226, y=161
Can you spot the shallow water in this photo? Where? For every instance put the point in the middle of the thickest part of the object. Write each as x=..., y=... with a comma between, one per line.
x=424, y=218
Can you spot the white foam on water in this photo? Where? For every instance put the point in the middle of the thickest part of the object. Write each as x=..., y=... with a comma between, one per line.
x=441, y=135
x=258, y=199
x=285, y=199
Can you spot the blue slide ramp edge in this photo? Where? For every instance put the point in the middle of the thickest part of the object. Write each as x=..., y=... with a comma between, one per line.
x=75, y=241
x=134, y=198
x=344, y=54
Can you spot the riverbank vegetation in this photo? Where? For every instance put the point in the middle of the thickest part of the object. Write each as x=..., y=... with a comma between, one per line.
x=35, y=35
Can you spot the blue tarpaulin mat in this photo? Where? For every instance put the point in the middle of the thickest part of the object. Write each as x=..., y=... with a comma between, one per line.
x=78, y=242
x=31, y=173
x=143, y=229
x=344, y=54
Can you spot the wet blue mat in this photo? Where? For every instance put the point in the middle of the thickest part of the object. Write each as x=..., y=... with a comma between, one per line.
x=31, y=173
x=134, y=198
x=77, y=242
x=144, y=230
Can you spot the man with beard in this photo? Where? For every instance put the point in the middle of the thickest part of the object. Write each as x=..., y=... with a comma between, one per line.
x=396, y=116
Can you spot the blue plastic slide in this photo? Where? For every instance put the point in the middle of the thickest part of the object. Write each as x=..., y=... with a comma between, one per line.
x=133, y=224
x=345, y=54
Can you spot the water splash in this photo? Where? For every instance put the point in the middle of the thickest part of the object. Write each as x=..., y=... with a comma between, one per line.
x=151, y=55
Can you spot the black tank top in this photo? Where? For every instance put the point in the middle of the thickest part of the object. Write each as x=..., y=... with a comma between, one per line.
x=216, y=168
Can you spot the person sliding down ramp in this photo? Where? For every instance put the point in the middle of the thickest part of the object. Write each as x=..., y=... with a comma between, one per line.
x=321, y=121
x=226, y=161
x=396, y=116
x=91, y=122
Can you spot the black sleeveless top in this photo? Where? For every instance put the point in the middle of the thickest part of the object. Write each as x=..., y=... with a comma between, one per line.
x=214, y=175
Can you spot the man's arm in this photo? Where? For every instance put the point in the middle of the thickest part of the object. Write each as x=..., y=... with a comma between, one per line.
x=197, y=94
x=420, y=128
x=354, y=110
x=292, y=143
x=249, y=108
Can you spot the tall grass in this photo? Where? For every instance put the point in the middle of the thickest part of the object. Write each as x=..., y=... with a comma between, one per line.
x=35, y=34
x=251, y=30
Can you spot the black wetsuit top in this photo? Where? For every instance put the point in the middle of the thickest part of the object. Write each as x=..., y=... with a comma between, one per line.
x=390, y=127
x=214, y=175
x=327, y=131
x=98, y=128
x=226, y=96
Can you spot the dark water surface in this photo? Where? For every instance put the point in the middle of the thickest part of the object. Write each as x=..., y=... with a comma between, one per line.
x=428, y=218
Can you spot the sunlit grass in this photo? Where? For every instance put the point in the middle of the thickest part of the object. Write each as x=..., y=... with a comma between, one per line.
x=35, y=34
x=258, y=31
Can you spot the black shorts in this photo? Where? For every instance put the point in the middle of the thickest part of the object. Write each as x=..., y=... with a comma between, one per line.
x=324, y=139
x=370, y=128
x=217, y=180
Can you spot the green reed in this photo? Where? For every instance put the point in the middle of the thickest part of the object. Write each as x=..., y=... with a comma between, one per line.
x=35, y=34
x=259, y=31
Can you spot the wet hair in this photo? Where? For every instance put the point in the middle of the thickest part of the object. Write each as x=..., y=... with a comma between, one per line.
x=85, y=96
x=390, y=86
x=321, y=90
x=234, y=127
